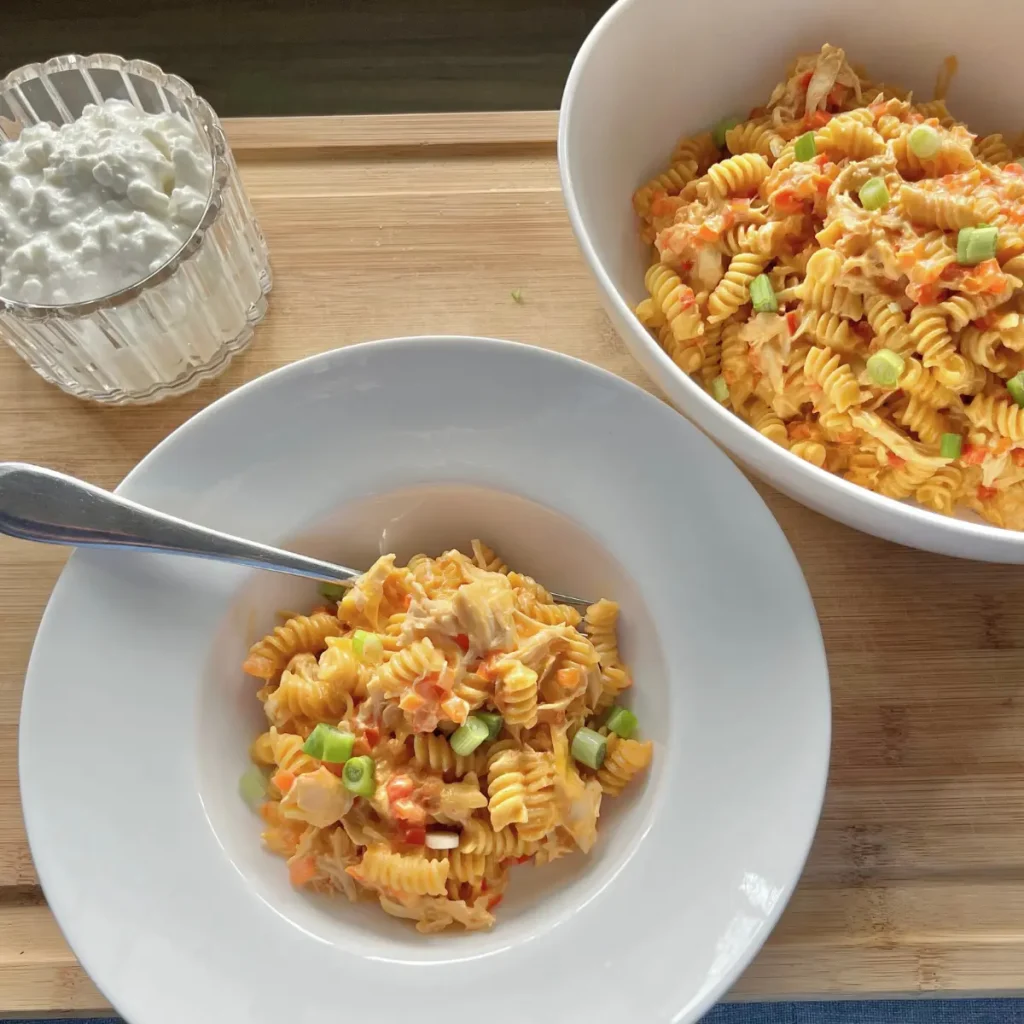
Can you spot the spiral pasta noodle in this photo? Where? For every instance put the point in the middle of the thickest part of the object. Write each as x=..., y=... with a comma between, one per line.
x=754, y=137
x=479, y=838
x=851, y=137
x=408, y=666
x=415, y=875
x=303, y=692
x=734, y=289
x=738, y=175
x=434, y=753
x=624, y=760
x=836, y=380
x=506, y=791
x=303, y=634
x=1000, y=415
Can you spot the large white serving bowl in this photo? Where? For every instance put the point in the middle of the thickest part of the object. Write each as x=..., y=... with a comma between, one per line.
x=137, y=718
x=653, y=70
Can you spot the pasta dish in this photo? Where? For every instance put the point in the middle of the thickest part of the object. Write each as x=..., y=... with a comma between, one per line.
x=435, y=725
x=843, y=270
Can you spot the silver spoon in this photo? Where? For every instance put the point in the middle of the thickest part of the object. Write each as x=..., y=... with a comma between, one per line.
x=54, y=508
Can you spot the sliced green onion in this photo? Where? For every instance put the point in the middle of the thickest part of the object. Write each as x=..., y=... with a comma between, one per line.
x=962, y=238
x=873, y=194
x=762, y=295
x=517, y=295
x=719, y=390
x=253, y=787
x=805, y=148
x=367, y=647
x=329, y=744
x=885, y=367
x=332, y=591
x=589, y=747
x=1015, y=385
x=950, y=446
x=718, y=132
x=492, y=720
x=622, y=722
x=359, y=775
x=975, y=245
x=924, y=141
x=469, y=735
x=981, y=245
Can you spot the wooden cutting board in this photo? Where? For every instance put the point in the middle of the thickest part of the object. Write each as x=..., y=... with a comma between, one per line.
x=384, y=226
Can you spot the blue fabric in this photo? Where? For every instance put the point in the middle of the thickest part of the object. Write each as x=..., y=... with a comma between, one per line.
x=894, y=1011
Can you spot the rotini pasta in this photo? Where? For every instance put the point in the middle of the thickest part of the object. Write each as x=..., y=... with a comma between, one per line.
x=420, y=740
x=819, y=260
x=304, y=634
x=625, y=758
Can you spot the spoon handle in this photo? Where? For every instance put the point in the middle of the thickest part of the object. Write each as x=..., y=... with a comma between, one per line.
x=43, y=505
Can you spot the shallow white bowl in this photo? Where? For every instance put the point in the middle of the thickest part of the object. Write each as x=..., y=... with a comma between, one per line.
x=136, y=717
x=653, y=70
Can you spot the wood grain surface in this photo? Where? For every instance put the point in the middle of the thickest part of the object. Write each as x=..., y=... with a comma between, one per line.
x=418, y=224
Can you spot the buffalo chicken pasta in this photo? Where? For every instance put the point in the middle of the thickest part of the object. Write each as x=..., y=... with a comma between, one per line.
x=440, y=723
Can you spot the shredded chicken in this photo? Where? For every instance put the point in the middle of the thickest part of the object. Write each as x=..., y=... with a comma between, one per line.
x=483, y=610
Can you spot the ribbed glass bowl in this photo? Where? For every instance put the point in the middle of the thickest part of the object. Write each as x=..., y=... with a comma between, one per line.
x=183, y=323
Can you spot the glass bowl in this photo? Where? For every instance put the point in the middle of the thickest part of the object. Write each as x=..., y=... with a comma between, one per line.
x=178, y=326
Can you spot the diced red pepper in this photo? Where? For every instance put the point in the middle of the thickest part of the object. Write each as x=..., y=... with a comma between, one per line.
x=986, y=493
x=415, y=836
x=372, y=736
x=805, y=79
x=1018, y=456
x=973, y=454
x=400, y=787
x=817, y=119
x=924, y=294
x=792, y=321
x=409, y=812
x=494, y=901
x=895, y=461
x=1014, y=168
x=987, y=277
x=463, y=641
x=787, y=200
x=334, y=769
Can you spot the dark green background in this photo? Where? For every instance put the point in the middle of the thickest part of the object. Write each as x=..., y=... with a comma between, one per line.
x=265, y=57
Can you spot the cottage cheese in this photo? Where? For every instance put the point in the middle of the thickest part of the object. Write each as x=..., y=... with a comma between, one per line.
x=97, y=205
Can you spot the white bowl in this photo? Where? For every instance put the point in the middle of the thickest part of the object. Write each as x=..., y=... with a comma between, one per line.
x=652, y=70
x=136, y=716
